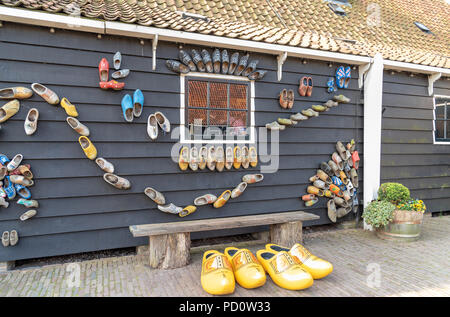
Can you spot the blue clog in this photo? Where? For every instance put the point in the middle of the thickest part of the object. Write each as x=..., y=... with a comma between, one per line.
x=22, y=191
x=340, y=77
x=8, y=186
x=4, y=159
x=336, y=181
x=348, y=75
x=127, y=108
x=330, y=85
x=138, y=103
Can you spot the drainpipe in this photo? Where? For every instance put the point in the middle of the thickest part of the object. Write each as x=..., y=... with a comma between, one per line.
x=373, y=95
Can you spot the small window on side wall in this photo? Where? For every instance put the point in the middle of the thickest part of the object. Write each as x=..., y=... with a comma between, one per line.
x=217, y=109
x=442, y=119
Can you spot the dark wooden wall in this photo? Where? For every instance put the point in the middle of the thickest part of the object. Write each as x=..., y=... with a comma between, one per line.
x=79, y=212
x=408, y=153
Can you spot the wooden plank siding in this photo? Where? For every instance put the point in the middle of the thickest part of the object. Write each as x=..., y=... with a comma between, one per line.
x=78, y=211
x=408, y=153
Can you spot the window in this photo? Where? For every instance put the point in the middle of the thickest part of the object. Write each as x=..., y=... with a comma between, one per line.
x=442, y=119
x=216, y=108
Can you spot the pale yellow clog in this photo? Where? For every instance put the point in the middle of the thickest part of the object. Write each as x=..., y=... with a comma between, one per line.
x=69, y=107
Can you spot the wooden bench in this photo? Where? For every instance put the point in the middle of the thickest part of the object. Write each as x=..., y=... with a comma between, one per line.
x=169, y=243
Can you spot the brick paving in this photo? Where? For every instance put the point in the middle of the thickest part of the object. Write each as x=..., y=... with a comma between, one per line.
x=405, y=269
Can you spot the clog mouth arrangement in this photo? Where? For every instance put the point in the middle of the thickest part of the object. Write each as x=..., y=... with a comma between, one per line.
x=219, y=63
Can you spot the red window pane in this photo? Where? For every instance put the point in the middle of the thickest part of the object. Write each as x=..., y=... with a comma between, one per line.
x=237, y=119
x=197, y=116
x=198, y=94
x=238, y=96
x=218, y=117
x=218, y=95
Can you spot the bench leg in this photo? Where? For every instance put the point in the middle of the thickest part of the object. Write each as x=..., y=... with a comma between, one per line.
x=286, y=234
x=169, y=251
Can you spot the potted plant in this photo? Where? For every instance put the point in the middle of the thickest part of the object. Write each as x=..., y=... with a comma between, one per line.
x=395, y=215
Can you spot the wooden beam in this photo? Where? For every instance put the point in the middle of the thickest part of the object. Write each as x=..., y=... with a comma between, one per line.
x=219, y=223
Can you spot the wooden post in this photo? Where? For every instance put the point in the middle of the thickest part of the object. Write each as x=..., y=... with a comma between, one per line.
x=169, y=251
x=7, y=266
x=286, y=234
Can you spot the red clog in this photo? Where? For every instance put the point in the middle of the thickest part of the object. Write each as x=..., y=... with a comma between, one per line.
x=355, y=159
x=103, y=70
x=303, y=88
x=112, y=84
x=310, y=87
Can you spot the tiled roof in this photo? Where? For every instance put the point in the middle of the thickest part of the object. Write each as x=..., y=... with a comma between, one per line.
x=372, y=26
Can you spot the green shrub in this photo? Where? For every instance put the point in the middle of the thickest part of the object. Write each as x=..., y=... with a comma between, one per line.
x=378, y=213
x=395, y=193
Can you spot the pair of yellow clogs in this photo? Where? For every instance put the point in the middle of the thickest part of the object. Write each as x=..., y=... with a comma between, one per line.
x=293, y=269
x=220, y=271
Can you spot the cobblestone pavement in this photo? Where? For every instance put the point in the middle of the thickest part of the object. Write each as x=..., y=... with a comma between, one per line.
x=405, y=269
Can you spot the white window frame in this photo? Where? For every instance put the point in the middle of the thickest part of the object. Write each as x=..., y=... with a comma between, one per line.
x=434, y=121
x=251, y=126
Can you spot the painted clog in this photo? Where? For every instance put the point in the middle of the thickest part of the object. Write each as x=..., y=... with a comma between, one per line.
x=298, y=117
x=15, y=93
x=202, y=157
x=211, y=158
x=317, y=267
x=13, y=237
x=245, y=157
x=9, y=188
x=310, y=87
x=343, y=177
x=22, y=191
x=340, y=77
x=319, y=108
x=242, y=65
x=31, y=120
x=237, y=153
x=331, y=103
x=206, y=57
x=253, y=156
x=217, y=277
x=88, y=148
x=127, y=108
x=69, y=107
x=197, y=58
x=341, y=99
x=334, y=167
x=152, y=127
x=186, y=59
x=283, y=99
x=15, y=162
x=112, y=84
x=252, y=178
x=28, y=203
x=225, y=62
x=183, y=160
x=335, y=190
x=222, y=199
x=338, y=160
x=275, y=126
x=311, y=202
x=355, y=159
x=248, y=272
x=28, y=214
x=78, y=126
x=120, y=74
x=21, y=180
x=103, y=70
x=314, y=190
x=256, y=75
x=326, y=168
x=354, y=177
x=324, y=176
x=187, y=211
x=155, y=195
x=235, y=193
x=9, y=109
x=348, y=75
x=216, y=61
x=138, y=102
x=193, y=158
x=5, y=238
x=117, y=60
x=284, y=270
x=4, y=159
x=47, y=94
x=163, y=122
x=117, y=181
x=205, y=200
x=310, y=112
x=234, y=60
x=104, y=165
x=229, y=157
x=220, y=158
x=251, y=67
x=170, y=209
x=285, y=121
x=303, y=86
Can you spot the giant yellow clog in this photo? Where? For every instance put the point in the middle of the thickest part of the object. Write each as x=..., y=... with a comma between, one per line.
x=9, y=109
x=284, y=270
x=217, y=276
x=69, y=107
x=88, y=148
x=317, y=267
x=247, y=270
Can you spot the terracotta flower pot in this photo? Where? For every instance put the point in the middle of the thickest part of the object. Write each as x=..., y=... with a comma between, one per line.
x=405, y=226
